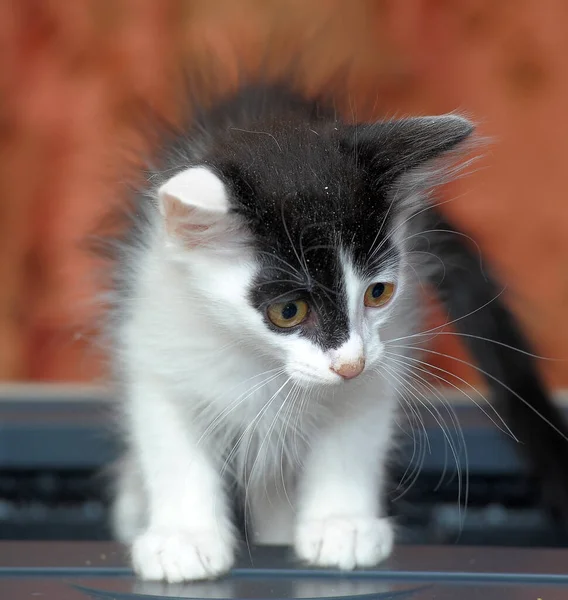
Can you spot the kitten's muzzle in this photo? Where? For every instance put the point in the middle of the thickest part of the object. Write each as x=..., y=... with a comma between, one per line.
x=349, y=370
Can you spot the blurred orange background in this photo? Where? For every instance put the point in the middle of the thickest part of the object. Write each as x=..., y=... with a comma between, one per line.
x=71, y=73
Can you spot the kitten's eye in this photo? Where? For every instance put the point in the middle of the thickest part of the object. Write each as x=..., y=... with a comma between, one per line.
x=379, y=294
x=288, y=314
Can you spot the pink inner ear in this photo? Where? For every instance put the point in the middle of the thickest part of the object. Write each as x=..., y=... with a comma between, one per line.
x=180, y=219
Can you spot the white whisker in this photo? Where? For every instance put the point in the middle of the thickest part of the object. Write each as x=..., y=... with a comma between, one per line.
x=498, y=382
x=504, y=428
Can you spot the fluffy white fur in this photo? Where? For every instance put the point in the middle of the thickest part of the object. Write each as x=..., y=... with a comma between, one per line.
x=212, y=391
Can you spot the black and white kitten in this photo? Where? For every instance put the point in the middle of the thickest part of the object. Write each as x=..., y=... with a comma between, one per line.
x=269, y=298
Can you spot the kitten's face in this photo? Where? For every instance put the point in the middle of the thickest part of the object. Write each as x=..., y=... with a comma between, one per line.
x=293, y=235
x=312, y=288
x=327, y=332
x=324, y=326
x=325, y=286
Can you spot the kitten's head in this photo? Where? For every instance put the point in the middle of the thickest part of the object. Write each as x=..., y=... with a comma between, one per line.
x=292, y=230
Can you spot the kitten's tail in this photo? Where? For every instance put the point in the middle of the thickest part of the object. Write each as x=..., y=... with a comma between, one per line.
x=511, y=372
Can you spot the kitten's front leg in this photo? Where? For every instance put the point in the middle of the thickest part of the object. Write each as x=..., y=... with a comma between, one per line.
x=340, y=522
x=189, y=534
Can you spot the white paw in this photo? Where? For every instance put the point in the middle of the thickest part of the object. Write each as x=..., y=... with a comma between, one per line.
x=181, y=556
x=344, y=542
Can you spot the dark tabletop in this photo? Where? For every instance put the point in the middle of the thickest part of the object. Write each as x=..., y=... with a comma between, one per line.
x=74, y=571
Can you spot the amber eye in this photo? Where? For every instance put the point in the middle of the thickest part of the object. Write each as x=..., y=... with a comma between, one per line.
x=379, y=294
x=288, y=314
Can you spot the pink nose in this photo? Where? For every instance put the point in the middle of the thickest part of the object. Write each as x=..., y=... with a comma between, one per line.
x=349, y=370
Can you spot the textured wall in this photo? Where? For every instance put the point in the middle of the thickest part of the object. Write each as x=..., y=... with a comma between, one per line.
x=71, y=74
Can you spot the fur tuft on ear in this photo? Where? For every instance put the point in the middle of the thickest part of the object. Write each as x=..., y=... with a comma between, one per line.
x=394, y=147
x=412, y=155
x=192, y=202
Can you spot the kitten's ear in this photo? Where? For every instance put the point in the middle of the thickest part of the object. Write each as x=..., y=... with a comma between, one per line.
x=192, y=203
x=416, y=150
x=408, y=143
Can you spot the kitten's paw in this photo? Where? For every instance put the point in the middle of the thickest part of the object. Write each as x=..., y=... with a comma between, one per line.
x=344, y=542
x=181, y=556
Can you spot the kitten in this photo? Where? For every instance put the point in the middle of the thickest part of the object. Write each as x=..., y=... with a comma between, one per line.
x=268, y=315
